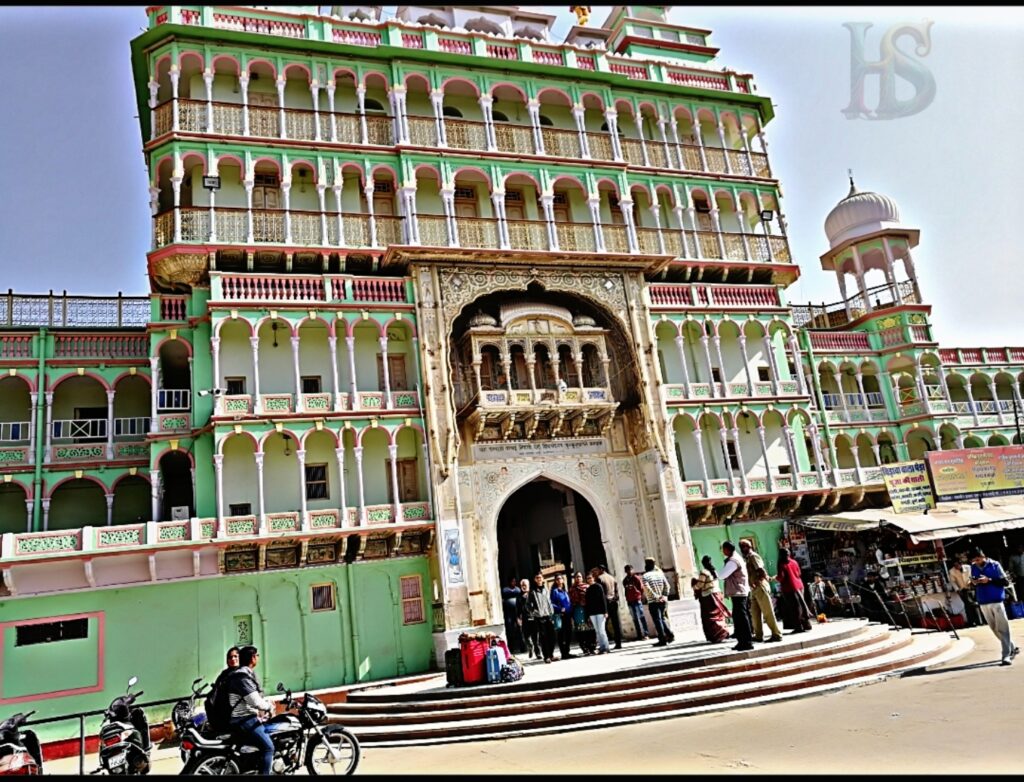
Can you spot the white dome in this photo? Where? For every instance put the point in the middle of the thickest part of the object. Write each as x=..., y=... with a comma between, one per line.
x=859, y=214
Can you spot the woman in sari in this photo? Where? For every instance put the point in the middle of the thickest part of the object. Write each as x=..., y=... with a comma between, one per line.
x=712, y=610
x=792, y=604
x=581, y=626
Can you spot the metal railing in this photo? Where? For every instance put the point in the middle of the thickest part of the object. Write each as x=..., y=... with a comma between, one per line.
x=14, y=432
x=80, y=429
x=62, y=310
x=173, y=399
x=131, y=427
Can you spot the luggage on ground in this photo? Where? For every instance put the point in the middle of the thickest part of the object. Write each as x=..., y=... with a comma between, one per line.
x=453, y=667
x=495, y=661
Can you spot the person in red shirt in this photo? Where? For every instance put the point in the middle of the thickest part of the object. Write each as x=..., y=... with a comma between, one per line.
x=792, y=603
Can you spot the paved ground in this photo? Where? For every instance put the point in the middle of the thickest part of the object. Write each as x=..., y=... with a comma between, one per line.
x=959, y=718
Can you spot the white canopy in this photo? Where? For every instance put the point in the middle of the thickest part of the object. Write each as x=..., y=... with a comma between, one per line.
x=948, y=520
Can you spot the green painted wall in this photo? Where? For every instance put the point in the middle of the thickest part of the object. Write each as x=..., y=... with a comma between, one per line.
x=708, y=540
x=168, y=634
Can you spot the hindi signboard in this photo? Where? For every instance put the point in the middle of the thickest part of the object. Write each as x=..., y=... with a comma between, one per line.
x=968, y=473
x=909, y=488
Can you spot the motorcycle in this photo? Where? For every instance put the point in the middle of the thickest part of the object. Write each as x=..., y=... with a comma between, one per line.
x=19, y=749
x=298, y=740
x=124, y=736
x=184, y=714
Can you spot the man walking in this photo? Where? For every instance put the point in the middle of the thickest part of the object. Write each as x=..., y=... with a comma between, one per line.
x=633, y=588
x=990, y=582
x=611, y=593
x=760, y=594
x=597, y=612
x=961, y=582
x=542, y=615
x=737, y=588
x=656, y=591
x=510, y=609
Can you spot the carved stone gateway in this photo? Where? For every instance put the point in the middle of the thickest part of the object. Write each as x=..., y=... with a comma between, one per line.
x=622, y=470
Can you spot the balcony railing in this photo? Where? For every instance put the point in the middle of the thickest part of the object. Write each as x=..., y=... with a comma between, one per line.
x=714, y=296
x=168, y=399
x=66, y=311
x=80, y=430
x=315, y=229
x=14, y=432
x=828, y=316
x=982, y=355
x=307, y=288
x=131, y=428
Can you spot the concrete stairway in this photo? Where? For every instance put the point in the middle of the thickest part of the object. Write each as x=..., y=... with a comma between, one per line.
x=641, y=683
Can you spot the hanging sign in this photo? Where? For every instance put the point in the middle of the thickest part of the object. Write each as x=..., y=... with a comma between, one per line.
x=909, y=488
x=968, y=473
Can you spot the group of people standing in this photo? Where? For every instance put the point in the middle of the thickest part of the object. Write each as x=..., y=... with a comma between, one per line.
x=746, y=583
x=537, y=619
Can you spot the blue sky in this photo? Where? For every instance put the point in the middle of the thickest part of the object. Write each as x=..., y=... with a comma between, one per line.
x=74, y=211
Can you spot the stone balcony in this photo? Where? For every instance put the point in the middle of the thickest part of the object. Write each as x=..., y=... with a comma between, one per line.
x=241, y=405
x=731, y=488
x=520, y=413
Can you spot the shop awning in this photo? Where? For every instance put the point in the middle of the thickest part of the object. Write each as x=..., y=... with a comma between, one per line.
x=948, y=520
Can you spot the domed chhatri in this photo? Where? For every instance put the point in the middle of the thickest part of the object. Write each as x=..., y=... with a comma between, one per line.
x=860, y=214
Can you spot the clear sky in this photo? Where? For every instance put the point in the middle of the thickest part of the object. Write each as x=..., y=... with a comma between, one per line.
x=74, y=206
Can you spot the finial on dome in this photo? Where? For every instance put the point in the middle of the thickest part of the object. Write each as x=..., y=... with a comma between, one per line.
x=853, y=187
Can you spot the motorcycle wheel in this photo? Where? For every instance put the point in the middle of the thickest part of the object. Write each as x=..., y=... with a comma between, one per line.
x=319, y=760
x=217, y=765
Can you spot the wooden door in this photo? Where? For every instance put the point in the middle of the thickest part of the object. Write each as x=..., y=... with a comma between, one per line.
x=396, y=373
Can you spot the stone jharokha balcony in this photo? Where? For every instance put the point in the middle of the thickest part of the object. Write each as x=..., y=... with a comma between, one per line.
x=278, y=227
x=782, y=482
x=519, y=412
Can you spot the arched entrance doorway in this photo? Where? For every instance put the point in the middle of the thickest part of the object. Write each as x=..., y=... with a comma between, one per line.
x=548, y=527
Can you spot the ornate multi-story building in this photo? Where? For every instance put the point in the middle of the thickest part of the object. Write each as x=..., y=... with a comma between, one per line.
x=436, y=300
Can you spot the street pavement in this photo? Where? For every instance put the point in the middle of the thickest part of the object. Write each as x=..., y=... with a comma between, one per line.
x=960, y=717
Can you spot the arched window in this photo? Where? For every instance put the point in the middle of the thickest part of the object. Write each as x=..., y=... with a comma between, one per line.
x=451, y=111
x=373, y=105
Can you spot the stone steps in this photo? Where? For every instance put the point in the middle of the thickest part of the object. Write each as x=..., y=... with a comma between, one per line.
x=711, y=679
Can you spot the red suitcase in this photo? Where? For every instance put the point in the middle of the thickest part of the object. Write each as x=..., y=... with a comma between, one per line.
x=474, y=661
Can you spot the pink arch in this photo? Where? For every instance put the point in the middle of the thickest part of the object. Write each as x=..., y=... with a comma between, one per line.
x=165, y=454
x=360, y=322
x=26, y=380
x=593, y=95
x=263, y=440
x=387, y=167
x=243, y=434
x=329, y=323
x=89, y=374
x=267, y=319
x=429, y=167
x=26, y=488
x=461, y=80
x=263, y=61
x=221, y=323
x=301, y=67
x=126, y=375
x=229, y=157
x=165, y=340
x=350, y=71
x=117, y=481
x=569, y=177
x=70, y=478
x=218, y=57
x=193, y=154
x=403, y=322
x=414, y=427
x=684, y=417
x=642, y=188
x=477, y=169
x=525, y=174
x=417, y=77
x=303, y=163
x=265, y=159
x=361, y=434
x=326, y=430
x=375, y=74
x=519, y=90
x=556, y=91
x=191, y=53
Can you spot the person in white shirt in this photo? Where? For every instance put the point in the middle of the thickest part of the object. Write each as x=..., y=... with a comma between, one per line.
x=737, y=588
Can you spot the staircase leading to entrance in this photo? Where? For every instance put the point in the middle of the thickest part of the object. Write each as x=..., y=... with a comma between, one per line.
x=641, y=683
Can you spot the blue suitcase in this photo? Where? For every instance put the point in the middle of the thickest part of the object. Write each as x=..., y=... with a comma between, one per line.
x=494, y=665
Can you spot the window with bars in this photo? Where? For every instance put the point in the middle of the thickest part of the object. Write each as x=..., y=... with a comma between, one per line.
x=513, y=197
x=50, y=632
x=240, y=509
x=321, y=597
x=383, y=186
x=266, y=180
x=235, y=386
x=730, y=447
x=412, y=600
x=311, y=384
x=316, y=482
x=465, y=194
x=561, y=199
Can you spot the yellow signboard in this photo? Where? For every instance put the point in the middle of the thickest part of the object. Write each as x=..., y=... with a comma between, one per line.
x=972, y=472
x=908, y=485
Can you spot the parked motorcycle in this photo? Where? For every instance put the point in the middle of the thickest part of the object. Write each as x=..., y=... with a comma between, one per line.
x=19, y=749
x=124, y=736
x=184, y=714
x=298, y=740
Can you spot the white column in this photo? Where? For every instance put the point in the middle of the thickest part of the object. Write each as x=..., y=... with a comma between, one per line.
x=341, y=220
x=46, y=513
x=297, y=372
x=739, y=459
x=764, y=451
x=29, y=508
x=411, y=218
x=286, y=191
x=387, y=376
x=612, y=118
x=300, y=458
x=856, y=461
x=699, y=442
x=746, y=145
x=486, y=103
x=208, y=81
x=863, y=397
x=664, y=140
x=243, y=85
x=794, y=348
x=594, y=204
x=579, y=114
x=361, y=107
x=249, y=183
x=725, y=151
x=818, y=461
x=261, y=507
x=680, y=160
x=842, y=395
x=175, y=75
x=448, y=202
x=218, y=466
x=33, y=416
x=339, y=455
x=699, y=138
x=547, y=204
x=368, y=193
x=533, y=109
x=350, y=345
x=707, y=357
x=908, y=267
x=213, y=201
x=110, y=508
x=859, y=270
x=154, y=88
x=154, y=391
x=176, y=181
x=358, y=451
x=655, y=210
x=638, y=120
x=498, y=205
x=794, y=464
x=398, y=97
x=332, y=345
x=331, y=87
x=257, y=402
x=684, y=251
x=726, y=464
x=682, y=363
x=314, y=91
x=321, y=194
x=110, y=424
x=437, y=102
x=718, y=231
x=48, y=445
x=746, y=364
x=769, y=347
x=154, y=495
x=393, y=455
x=970, y=400
x=154, y=207
x=281, y=82
x=626, y=206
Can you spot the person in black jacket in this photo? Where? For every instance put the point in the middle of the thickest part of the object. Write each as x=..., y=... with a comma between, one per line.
x=597, y=612
x=216, y=716
x=538, y=606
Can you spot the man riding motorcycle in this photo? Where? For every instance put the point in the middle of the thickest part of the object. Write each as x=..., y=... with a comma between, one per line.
x=246, y=701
